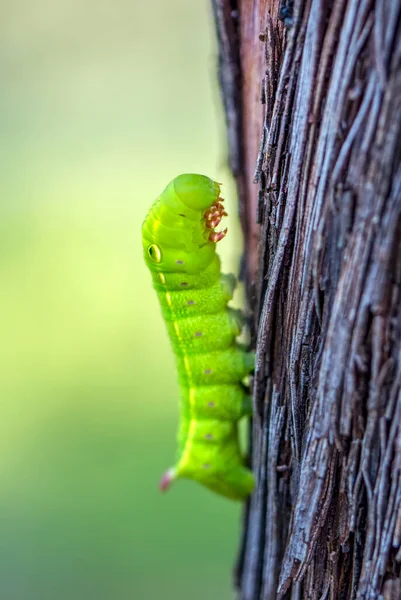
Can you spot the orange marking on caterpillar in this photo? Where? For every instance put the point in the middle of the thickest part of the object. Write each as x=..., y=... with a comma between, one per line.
x=215, y=222
x=210, y=215
x=216, y=236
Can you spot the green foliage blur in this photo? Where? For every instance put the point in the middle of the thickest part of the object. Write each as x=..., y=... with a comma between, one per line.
x=102, y=103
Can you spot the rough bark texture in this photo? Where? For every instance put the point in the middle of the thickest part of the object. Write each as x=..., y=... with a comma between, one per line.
x=314, y=109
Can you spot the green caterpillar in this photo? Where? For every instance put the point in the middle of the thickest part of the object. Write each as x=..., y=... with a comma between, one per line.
x=179, y=243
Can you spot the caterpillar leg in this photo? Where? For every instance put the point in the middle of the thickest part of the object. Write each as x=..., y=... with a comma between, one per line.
x=239, y=483
x=247, y=407
x=237, y=320
x=228, y=284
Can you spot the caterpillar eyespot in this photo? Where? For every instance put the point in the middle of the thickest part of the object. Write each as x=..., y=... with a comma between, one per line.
x=203, y=333
x=155, y=253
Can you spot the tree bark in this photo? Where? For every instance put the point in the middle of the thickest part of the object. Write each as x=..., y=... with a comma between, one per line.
x=313, y=107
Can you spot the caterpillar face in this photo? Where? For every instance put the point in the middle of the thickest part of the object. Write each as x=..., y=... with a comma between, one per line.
x=179, y=243
x=179, y=232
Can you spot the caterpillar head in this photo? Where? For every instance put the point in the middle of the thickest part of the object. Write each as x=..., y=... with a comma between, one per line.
x=179, y=231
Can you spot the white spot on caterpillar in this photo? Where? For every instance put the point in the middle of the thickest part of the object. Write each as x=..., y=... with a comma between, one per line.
x=162, y=278
x=190, y=302
x=168, y=299
x=211, y=404
x=207, y=371
x=198, y=333
x=179, y=262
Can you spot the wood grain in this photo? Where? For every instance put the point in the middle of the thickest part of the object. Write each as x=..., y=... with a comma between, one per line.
x=320, y=123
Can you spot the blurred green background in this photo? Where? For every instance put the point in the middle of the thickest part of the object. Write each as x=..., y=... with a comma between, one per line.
x=102, y=103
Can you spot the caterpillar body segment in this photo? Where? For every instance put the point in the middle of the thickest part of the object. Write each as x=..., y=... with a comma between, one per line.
x=182, y=303
x=179, y=243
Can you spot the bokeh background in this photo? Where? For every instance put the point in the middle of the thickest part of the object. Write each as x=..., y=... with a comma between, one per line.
x=101, y=104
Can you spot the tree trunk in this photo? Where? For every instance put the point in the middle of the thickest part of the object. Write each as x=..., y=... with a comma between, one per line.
x=313, y=107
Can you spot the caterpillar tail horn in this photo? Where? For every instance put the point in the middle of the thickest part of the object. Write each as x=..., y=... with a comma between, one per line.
x=166, y=480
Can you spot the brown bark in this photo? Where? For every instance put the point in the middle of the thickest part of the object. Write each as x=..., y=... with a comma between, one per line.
x=314, y=109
